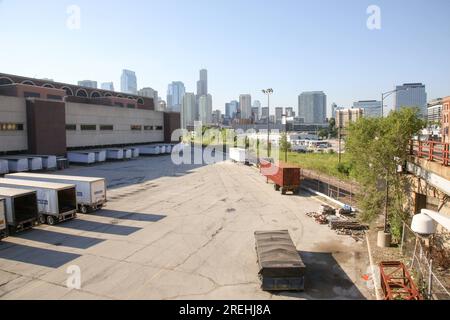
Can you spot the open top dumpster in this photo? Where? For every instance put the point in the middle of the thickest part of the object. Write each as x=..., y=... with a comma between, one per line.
x=281, y=268
x=284, y=176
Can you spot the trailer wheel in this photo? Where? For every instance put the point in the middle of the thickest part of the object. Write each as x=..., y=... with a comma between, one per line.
x=283, y=191
x=277, y=187
x=42, y=219
x=51, y=220
x=84, y=209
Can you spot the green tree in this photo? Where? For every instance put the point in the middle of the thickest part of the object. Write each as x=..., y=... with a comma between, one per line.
x=284, y=144
x=376, y=147
x=323, y=133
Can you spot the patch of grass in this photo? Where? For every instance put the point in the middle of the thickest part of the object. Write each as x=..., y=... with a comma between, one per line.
x=322, y=162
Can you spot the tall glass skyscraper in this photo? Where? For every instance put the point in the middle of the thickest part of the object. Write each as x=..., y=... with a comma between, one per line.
x=412, y=95
x=128, y=82
x=202, y=84
x=312, y=107
x=175, y=94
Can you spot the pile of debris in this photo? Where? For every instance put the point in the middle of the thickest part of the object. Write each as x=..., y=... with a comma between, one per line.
x=342, y=221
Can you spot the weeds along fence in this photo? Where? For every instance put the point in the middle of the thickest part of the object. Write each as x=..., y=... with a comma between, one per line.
x=332, y=187
x=433, y=283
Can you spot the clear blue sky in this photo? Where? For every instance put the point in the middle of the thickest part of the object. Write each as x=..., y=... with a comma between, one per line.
x=246, y=45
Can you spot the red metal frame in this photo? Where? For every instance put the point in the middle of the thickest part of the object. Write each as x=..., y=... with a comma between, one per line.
x=397, y=283
x=432, y=151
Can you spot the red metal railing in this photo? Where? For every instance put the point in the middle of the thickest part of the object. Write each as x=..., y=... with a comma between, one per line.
x=396, y=282
x=432, y=151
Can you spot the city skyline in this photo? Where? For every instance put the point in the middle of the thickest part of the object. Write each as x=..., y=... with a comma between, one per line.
x=253, y=64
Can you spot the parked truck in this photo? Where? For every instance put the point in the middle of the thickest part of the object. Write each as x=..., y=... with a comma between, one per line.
x=91, y=192
x=285, y=177
x=280, y=265
x=3, y=224
x=21, y=209
x=57, y=202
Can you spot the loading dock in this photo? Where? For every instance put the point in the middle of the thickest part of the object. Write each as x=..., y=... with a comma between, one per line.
x=91, y=192
x=56, y=202
x=21, y=209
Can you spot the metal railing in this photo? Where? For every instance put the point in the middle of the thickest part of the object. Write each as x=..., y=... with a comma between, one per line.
x=431, y=150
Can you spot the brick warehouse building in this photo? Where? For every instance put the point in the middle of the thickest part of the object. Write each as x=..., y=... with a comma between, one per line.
x=46, y=117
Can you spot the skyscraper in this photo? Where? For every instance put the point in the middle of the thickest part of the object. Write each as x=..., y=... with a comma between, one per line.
x=231, y=109
x=188, y=110
x=205, y=109
x=175, y=93
x=128, y=82
x=150, y=93
x=312, y=107
x=290, y=112
x=88, y=84
x=333, y=110
x=108, y=86
x=372, y=108
x=412, y=95
x=264, y=113
x=255, y=113
x=278, y=115
x=245, y=104
x=202, y=84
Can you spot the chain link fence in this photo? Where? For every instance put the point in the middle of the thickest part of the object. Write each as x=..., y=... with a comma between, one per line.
x=432, y=280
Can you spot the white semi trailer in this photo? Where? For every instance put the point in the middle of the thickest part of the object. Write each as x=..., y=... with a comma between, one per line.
x=21, y=209
x=91, y=192
x=57, y=202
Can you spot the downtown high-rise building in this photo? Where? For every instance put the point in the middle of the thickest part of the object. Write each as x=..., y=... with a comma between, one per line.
x=411, y=95
x=175, y=94
x=290, y=112
x=264, y=113
x=188, y=110
x=88, y=84
x=245, y=105
x=128, y=82
x=108, y=86
x=202, y=84
x=150, y=93
x=372, y=108
x=255, y=113
x=205, y=109
x=231, y=109
x=278, y=115
x=312, y=107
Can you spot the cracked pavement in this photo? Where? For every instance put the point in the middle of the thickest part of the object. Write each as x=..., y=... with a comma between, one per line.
x=183, y=232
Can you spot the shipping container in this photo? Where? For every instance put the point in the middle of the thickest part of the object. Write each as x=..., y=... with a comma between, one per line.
x=57, y=202
x=48, y=161
x=285, y=177
x=100, y=154
x=91, y=191
x=238, y=155
x=128, y=154
x=16, y=164
x=162, y=149
x=4, y=166
x=34, y=162
x=82, y=157
x=169, y=148
x=280, y=265
x=149, y=150
x=114, y=154
x=3, y=223
x=21, y=209
x=136, y=152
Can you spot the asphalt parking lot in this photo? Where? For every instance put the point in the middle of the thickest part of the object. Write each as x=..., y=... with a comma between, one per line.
x=179, y=232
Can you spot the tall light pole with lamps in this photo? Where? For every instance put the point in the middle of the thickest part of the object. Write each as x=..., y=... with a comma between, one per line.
x=268, y=92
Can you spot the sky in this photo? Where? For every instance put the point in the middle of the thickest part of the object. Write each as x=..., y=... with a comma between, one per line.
x=247, y=45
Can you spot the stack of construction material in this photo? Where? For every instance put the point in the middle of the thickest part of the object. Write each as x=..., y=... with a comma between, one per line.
x=327, y=210
x=347, y=225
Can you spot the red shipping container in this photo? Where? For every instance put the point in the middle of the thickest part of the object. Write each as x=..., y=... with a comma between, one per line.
x=285, y=177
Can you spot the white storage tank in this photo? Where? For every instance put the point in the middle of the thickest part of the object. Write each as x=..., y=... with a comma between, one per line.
x=57, y=202
x=81, y=157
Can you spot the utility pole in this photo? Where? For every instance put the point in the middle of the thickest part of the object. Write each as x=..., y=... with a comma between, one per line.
x=339, y=137
x=268, y=92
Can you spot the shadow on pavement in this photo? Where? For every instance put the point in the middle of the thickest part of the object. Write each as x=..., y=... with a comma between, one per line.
x=325, y=279
x=92, y=226
x=134, y=216
x=59, y=239
x=37, y=256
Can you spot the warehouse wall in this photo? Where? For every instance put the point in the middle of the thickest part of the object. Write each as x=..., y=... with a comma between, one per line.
x=120, y=118
x=13, y=110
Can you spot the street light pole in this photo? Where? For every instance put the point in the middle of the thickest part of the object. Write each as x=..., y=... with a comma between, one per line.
x=268, y=92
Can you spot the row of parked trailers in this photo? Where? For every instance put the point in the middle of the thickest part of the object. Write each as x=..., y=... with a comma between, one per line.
x=28, y=199
x=116, y=154
x=23, y=163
